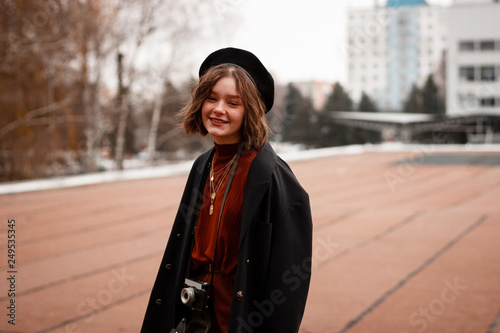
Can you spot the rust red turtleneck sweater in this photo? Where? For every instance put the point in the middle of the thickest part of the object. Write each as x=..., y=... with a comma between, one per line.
x=227, y=242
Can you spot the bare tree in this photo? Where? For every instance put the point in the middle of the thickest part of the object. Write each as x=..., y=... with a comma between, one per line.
x=137, y=23
x=186, y=24
x=93, y=19
x=57, y=96
x=35, y=89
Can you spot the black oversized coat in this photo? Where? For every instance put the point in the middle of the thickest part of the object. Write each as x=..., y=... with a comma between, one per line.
x=274, y=255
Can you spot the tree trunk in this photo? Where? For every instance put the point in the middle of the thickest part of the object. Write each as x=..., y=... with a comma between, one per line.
x=123, y=117
x=155, y=123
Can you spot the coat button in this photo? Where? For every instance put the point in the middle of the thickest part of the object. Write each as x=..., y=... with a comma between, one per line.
x=159, y=301
x=248, y=261
x=179, y=236
x=239, y=295
x=169, y=267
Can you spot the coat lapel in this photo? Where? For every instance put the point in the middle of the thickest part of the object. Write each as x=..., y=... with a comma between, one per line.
x=259, y=176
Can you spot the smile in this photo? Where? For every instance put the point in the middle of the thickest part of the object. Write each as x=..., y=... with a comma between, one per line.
x=218, y=121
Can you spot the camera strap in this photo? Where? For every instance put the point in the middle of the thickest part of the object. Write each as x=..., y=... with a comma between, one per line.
x=228, y=185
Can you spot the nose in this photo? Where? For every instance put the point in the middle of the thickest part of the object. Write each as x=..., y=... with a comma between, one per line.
x=219, y=107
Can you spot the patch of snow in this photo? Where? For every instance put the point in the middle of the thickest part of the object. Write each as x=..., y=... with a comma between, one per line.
x=287, y=152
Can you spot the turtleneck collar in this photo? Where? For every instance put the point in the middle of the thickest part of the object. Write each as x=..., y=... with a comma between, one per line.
x=227, y=150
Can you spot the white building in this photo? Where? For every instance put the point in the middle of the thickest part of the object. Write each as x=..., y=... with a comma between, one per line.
x=392, y=48
x=473, y=58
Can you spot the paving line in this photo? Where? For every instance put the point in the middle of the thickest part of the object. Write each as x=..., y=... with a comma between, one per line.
x=439, y=188
x=113, y=223
x=102, y=244
x=92, y=210
x=338, y=219
x=93, y=246
x=377, y=237
x=86, y=274
x=69, y=205
x=474, y=195
x=494, y=324
x=401, y=283
x=99, y=310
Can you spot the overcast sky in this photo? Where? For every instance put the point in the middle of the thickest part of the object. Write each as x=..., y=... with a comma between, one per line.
x=296, y=40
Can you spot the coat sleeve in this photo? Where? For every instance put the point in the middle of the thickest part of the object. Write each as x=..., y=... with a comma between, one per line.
x=164, y=309
x=289, y=268
x=281, y=237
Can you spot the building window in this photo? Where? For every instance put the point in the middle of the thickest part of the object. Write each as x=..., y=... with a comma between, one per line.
x=466, y=73
x=490, y=101
x=467, y=102
x=488, y=73
x=466, y=45
x=487, y=45
x=403, y=18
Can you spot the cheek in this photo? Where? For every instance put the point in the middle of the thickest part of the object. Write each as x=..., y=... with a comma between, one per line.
x=242, y=118
x=204, y=110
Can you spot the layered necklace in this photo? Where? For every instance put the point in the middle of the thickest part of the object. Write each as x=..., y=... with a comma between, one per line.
x=214, y=188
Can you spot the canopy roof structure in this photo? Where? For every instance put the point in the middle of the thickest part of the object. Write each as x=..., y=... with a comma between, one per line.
x=386, y=117
x=403, y=124
x=401, y=3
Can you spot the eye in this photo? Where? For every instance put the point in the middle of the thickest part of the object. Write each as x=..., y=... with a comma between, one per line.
x=233, y=104
x=211, y=98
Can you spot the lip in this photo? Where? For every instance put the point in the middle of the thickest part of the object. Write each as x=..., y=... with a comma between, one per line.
x=217, y=121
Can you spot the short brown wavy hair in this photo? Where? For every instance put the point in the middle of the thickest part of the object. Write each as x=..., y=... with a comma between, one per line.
x=254, y=130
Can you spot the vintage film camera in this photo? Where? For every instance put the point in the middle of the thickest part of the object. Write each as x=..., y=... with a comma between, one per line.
x=195, y=294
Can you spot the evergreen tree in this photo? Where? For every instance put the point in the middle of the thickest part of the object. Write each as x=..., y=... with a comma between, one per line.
x=299, y=118
x=431, y=100
x=339, y=100
x=331, y=133
x=291, y=106
x=367, y=105
x=413, y=103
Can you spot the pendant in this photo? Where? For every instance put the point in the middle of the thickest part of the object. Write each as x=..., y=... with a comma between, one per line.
x=211, y=211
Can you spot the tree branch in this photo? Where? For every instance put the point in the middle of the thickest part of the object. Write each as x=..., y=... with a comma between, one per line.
x=35, y=113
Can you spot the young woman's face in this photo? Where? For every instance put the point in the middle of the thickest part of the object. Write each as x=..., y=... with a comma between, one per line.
x=222, y=112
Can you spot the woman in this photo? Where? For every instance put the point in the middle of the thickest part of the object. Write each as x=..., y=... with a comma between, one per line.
x=240, y=247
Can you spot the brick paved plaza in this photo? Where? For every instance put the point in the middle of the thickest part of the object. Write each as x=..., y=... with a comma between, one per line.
x=404, y=242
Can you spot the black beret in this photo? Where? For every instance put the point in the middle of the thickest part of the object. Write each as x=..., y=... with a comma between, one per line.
x=248, y=62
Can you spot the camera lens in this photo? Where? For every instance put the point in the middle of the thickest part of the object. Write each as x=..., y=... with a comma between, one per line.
x=188, y=296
